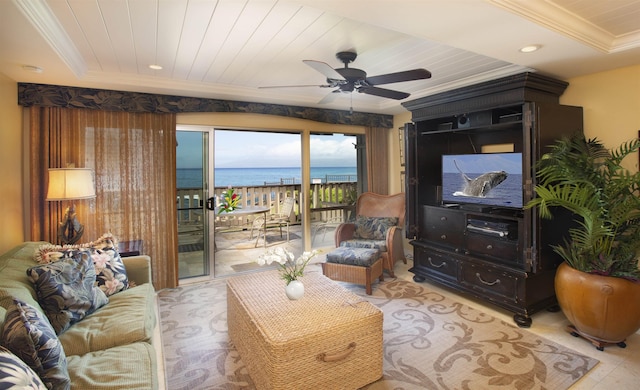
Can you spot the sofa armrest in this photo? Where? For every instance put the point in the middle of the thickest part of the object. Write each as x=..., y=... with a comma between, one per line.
x=138, y=269
x=344, y=232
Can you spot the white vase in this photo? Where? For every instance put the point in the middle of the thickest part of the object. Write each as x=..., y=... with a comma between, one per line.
x=294, y=290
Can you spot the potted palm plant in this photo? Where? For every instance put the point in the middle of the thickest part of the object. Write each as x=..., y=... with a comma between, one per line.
x=597, y=285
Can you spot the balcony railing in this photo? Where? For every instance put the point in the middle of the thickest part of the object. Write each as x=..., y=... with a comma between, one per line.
x=328, y=201
x=319, y=180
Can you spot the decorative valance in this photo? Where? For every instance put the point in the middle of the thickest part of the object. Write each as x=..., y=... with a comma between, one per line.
x=107, y=100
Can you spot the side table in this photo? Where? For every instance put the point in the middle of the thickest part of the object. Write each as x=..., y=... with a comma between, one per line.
x=130, y=248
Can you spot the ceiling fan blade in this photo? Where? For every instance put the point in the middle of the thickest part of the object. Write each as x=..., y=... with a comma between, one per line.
x=407, y=75
x=325, y=69
x=296, y=86
x=330, y=97
x=382, y=92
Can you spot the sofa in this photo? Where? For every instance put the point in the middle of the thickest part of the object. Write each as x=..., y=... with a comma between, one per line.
x=115, y=346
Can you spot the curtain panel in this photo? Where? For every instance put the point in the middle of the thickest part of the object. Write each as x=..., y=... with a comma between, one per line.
x=133, y=157
x=377, y=160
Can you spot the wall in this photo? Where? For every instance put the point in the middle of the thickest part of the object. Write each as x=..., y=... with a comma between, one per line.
x=611, y=101
x=11, y=206
x=262, y=122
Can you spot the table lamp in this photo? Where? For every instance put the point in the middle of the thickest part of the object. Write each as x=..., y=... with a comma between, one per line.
x=70, y=184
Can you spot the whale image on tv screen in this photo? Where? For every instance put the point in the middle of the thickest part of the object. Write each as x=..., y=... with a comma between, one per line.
x=491, y=179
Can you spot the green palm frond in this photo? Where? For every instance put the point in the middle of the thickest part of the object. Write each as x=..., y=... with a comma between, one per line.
x=575, y=198
x=587, y=179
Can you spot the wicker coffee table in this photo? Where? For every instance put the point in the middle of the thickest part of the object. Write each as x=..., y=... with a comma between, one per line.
x=329, y=339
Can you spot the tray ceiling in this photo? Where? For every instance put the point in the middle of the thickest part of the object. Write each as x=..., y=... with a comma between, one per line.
x=227, y=49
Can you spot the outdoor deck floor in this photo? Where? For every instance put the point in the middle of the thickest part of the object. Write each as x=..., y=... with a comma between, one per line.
x=235, y=251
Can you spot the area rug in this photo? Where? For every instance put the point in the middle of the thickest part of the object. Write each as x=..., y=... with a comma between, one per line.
x=430, y=342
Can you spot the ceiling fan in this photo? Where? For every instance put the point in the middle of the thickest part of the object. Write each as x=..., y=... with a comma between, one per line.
x=347, y=80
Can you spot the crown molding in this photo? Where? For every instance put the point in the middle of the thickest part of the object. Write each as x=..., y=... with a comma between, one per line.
x=556, y=18
x=43, y=19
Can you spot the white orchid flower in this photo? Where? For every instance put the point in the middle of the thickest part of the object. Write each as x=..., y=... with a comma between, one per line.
x=290, y=267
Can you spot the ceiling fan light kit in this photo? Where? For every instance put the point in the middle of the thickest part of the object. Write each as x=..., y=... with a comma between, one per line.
x=348, y=80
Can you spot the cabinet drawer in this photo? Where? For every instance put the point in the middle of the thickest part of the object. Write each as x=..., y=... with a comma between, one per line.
x=490, y=280
x=438, y=263
x=495, y=247
x=444, y=226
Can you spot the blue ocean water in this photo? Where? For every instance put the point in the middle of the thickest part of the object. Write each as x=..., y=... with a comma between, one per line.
x=236, y=177
x=506, y=194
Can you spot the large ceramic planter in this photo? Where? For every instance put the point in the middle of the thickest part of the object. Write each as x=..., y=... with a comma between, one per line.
x=603, y=309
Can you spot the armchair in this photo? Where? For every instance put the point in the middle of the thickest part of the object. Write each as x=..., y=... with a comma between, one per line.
x=378, y=225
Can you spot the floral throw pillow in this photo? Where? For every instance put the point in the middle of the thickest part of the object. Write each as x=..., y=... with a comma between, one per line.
x=111, y=275
x=373, y=228
x=16, y=374
x=28, y=334
x=66, y=290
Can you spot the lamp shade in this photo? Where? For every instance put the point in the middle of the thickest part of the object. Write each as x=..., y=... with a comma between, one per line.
x=70, y=183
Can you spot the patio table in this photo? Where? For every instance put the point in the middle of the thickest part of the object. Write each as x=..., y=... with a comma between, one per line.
x=245, y=211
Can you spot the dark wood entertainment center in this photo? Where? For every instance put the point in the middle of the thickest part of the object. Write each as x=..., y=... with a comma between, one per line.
x=498, y=254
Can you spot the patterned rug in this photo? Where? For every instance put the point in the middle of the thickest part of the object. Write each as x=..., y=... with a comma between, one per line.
x=430, y=342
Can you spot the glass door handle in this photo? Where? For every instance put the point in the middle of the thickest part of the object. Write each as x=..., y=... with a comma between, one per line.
x=211, y=205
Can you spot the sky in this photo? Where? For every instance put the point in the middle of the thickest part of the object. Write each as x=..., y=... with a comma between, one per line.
x=249, y=149
x=482, y=163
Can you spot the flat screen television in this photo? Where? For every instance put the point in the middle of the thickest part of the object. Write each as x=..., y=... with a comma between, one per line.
x=486, y=179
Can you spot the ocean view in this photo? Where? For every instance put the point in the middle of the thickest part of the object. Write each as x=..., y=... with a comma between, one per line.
x=236, y=177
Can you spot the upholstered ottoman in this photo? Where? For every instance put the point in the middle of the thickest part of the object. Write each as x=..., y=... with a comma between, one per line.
x=354, y=265
x=329, y=339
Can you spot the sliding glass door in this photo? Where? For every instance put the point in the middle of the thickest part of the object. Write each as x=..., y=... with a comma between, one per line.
x=276, y=205
x=333, y=187
x=264, y=170
x=193, y=175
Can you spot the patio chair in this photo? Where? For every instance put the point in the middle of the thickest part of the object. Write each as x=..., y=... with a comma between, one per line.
x=283, y=217
x=378, y=224
x=280, y=219
x=325, y=225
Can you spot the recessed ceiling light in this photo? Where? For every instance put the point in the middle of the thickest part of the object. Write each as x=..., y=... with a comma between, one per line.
x=32, y=68
x=155, y=67
x=530, y=48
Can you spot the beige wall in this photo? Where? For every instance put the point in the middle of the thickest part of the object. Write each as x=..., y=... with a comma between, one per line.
x=263, y=122
x=610, y=100
x=611, y=104
x=11, y=204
